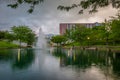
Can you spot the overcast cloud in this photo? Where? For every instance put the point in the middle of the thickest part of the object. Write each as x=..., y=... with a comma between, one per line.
x=47, y=16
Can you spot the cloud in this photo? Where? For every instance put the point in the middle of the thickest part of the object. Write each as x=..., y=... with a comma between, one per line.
x=47, y=16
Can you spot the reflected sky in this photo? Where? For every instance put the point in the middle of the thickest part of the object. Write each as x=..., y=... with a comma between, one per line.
x=56, y=64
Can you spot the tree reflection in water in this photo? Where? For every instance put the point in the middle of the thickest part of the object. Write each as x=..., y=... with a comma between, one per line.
x=6, y=55
x=19, y=59
x=24, y=59
x=109, y=62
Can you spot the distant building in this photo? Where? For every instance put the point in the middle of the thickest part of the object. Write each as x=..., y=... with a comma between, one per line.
x=67, y=26
x=49, y=37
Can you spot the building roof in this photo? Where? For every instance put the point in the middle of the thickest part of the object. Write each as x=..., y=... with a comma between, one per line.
x=80, y=23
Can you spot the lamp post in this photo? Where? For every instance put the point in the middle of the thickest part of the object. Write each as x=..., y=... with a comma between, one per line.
x=88, y=41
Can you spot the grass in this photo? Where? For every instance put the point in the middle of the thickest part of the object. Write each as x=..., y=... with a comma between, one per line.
x=99, y=47
x=5, y=44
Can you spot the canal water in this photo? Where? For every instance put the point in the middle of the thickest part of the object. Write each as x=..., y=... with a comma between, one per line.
x=59, y=64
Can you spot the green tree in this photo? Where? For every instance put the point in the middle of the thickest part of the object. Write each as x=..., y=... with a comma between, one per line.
x=59, y=39
x=9, y=36
x=80, y=34
x=24, y=34
x=32, y=4
x=92, y=5
x=69, y=34
x=30, y=38
x=2, y=35
x=99, y=35
x=115, y=30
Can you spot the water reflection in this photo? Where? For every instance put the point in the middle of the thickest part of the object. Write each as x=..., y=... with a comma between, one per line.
x=6, y=55
x=24, y=59
x=19, y=59
x=19, y=54
x=108, y=62
x=59, y=64
x=116, y=64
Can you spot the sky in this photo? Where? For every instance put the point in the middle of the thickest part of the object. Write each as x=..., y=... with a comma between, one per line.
x=47, y=16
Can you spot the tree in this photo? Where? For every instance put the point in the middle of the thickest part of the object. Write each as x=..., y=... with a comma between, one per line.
x=99, y=35
x=9, y=36
x=59, y=39
x=32, y=4
x=113, y=28
x=68, y=34
x=2, y=34
x=5, y=35
x=115, y=31
x=30, y=38
x=24, y=34
x=80, y=34
x=92, y=5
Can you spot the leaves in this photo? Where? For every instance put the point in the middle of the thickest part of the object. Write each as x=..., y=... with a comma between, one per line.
x=30, y=10
x=13, y=5
x=58, y=39
x=32, y=4
x=24, y=34
x=78, y=34
x=91, y=5
x=116, y=30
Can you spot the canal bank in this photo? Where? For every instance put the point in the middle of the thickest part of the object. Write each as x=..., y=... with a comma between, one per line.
x=101, y=48
x=10, y=45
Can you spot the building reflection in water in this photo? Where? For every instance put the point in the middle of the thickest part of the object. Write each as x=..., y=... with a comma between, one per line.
x=107, y=62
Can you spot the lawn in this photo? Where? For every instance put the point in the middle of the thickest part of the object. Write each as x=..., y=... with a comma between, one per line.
x=5, y=44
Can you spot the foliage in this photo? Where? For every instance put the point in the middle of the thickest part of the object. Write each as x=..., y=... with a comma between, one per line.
x=5, y=35
x=59, y=39
x=107, y=33
x=30, y=38
x=99, y=35
x=115, y=31
x=92, y=5
x=69, y=34
x=2, y=34
x=9, y=36
x=78, y=34
x=23, y=34
x=32, y=4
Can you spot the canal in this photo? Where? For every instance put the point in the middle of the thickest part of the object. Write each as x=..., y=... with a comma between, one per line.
x=59, y=64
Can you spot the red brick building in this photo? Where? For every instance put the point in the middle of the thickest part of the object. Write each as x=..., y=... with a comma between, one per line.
x=64, y=26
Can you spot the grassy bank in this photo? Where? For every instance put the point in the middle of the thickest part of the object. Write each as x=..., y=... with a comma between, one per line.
x=109, y=48
x=5, y=44
x=94, y=47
